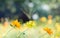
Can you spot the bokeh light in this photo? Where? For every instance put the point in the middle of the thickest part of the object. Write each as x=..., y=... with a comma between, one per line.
x=45, y=7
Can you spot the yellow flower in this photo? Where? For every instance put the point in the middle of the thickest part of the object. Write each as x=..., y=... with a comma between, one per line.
x=49, y=19
x=49, y=16
x=30, y=24
x=57, y=25
x=16, y=23
x=57, y=34
x=43, y=19
x=48, y=30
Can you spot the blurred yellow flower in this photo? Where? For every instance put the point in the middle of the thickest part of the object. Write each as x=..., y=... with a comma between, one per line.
x=48, y=30
x=49, y=16
x=49, y=21
x=57, y=34
x=16, y=23
x=30, y=24
x=57, y=25
x=43, y=19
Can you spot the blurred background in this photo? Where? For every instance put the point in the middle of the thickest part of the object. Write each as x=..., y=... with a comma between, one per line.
x=29, y=9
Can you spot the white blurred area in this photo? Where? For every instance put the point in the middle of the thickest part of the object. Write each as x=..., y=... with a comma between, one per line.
x=35, y=16
x=45, y=7
x=31, y=4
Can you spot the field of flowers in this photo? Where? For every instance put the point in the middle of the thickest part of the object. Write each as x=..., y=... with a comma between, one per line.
x=41, y=28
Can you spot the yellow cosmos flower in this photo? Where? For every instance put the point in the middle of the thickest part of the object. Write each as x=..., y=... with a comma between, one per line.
x=30, y=24
x=48, y=30
x=16, y=23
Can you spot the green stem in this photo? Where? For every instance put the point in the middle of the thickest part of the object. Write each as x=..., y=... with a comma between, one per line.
x=7, y=32
x=20, y=33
